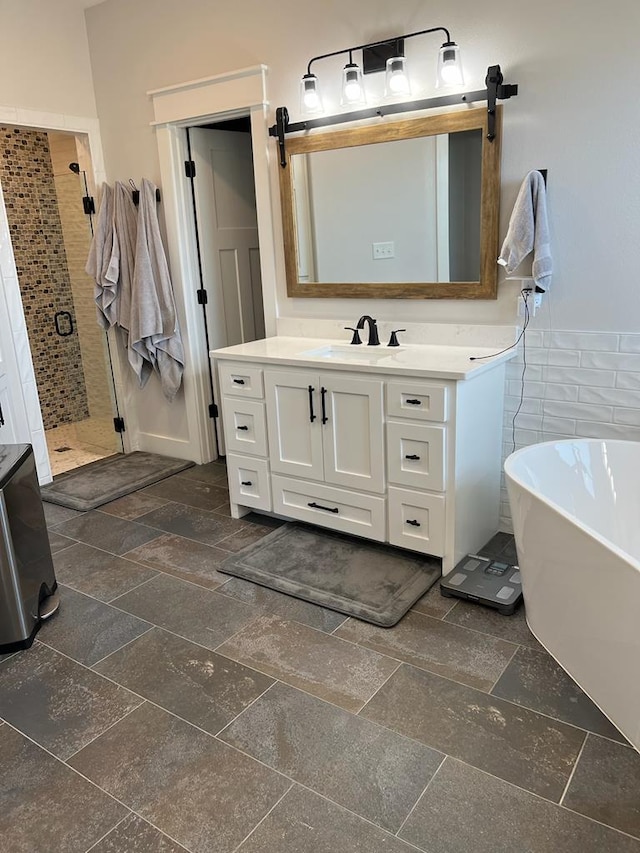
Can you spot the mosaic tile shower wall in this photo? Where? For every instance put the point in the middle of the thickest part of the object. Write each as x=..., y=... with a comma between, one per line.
x=36, y=233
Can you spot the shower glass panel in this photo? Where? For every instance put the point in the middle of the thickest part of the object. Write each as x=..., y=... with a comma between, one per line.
x=51, y=235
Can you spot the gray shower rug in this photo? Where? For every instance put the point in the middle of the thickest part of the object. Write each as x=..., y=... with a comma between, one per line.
x=99, y=482
x=374, y=582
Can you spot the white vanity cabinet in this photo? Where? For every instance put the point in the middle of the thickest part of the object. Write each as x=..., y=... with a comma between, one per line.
x=412, y=460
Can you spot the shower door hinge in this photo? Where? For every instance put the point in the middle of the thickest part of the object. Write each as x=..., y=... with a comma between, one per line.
x=213, y=410
x=202, y=296
x=190, y=168
x=118, y=424
x=89, y=205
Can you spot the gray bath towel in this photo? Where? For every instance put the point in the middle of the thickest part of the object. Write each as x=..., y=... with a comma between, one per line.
x=125, y=218
x=153, y=333
x=529, y=231
x=102, y=263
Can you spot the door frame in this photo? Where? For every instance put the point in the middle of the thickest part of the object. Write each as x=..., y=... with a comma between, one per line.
x=218, y=98
x=23, y=384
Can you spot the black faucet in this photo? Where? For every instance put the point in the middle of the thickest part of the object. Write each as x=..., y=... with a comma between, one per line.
x=374, y=340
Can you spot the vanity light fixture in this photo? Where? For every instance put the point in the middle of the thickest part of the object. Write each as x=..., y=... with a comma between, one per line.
x=386, y=55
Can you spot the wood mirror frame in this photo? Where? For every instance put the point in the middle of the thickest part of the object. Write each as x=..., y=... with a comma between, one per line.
x=460, y=120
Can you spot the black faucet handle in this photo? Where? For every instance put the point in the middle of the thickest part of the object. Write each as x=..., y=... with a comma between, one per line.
x=356, y=335
x=393, y=340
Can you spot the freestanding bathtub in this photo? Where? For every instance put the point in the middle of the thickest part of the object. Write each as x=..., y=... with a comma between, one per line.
x=576, y=516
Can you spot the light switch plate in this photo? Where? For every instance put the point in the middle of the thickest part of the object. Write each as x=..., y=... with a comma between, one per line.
x=383, y=250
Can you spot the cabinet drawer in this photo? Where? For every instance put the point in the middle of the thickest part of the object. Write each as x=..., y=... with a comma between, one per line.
x=349, y=512
x=417, y=400
x=416, y=454
x=249, y=481
x=245, y=428
x=241, y=380
x=416, y=521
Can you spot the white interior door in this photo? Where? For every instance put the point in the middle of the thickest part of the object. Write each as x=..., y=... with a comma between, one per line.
x=228, y=231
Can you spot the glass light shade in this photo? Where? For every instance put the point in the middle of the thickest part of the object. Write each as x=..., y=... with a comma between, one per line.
x=310, y=99
x=352, y=85
x=449, y=66
x=396, y=78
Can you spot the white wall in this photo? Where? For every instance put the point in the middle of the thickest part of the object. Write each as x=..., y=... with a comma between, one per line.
x=44, y=60
x=45, y=81
x=576, y=65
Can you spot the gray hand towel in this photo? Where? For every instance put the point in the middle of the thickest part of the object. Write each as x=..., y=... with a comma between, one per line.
x=154, y=334
x=529, y=232
x=103, y=262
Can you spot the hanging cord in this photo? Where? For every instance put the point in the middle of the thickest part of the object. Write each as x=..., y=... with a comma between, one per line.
x=525, y=293
x=525, y=296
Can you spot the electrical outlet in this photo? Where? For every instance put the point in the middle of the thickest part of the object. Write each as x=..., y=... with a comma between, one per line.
x=534, y=302
x=383, y=250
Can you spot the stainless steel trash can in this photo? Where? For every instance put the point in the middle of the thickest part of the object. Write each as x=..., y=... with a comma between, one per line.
x=27, y=579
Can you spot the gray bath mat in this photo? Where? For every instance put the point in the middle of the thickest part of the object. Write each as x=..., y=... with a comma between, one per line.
x=107, y=479
x=374, y=582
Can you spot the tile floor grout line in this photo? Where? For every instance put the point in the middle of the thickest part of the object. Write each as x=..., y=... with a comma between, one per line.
x=377, y=690
x=240, y=713
x=367, y=820
x=263, y=818
x=96, y=786
x=137, y=586
x=414, y=806
x=573, y=770
x=344, y=621
x=108, y=832
x=128, y=643
x=504, y=669
x=109, y=727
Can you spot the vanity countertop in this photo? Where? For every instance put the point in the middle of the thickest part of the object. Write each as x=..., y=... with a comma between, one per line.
x=427, y=361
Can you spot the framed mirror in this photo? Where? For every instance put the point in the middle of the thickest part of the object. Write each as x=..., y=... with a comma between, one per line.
x=404, y=210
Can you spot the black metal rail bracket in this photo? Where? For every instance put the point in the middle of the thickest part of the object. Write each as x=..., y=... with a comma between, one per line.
x=496, y=90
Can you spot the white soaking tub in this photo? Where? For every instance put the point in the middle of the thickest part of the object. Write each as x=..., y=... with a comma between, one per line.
x=576, y=516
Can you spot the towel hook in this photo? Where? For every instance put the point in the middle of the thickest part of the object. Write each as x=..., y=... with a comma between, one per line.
x=135, y=192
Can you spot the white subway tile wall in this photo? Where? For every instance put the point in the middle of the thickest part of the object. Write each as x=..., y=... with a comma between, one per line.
x=577, y=384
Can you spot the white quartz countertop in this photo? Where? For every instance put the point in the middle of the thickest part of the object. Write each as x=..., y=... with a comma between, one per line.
x=429, y=361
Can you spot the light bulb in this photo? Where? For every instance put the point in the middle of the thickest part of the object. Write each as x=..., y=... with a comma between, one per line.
x=449, y=65
x=352, y=86
x=310, y=100
x=397, y=80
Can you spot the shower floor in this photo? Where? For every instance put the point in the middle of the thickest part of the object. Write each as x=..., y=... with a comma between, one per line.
x=72, y=445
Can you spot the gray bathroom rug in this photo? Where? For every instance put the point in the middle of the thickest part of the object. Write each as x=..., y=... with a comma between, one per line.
x=105, y=480
x=373, y=582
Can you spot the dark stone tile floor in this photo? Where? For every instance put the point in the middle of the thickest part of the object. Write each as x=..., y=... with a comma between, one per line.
x=169, y=708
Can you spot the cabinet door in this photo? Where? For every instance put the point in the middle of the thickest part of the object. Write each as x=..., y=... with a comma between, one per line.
x=294, y=423
x=353, y=432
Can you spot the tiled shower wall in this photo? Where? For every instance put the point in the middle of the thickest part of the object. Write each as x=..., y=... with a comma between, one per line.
x=77, y=239
x=577, y=384
x=34, y=222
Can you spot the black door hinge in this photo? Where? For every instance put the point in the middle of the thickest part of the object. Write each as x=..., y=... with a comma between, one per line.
x=89, y=205
x=202, y=296
x=213, y=410
x=190, y=168
x=118, y=424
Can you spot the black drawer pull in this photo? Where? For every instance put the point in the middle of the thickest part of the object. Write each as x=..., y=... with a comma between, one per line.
x=246, y=483
x=314, y=505
x=414, y=402
x=323, y=395
x=412, y=456
x=312, y=416
x=413, y=522
x=239, y=381
x=244, y=428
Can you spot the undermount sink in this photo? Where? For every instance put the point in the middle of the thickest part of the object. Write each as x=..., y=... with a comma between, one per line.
x=352, y=353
